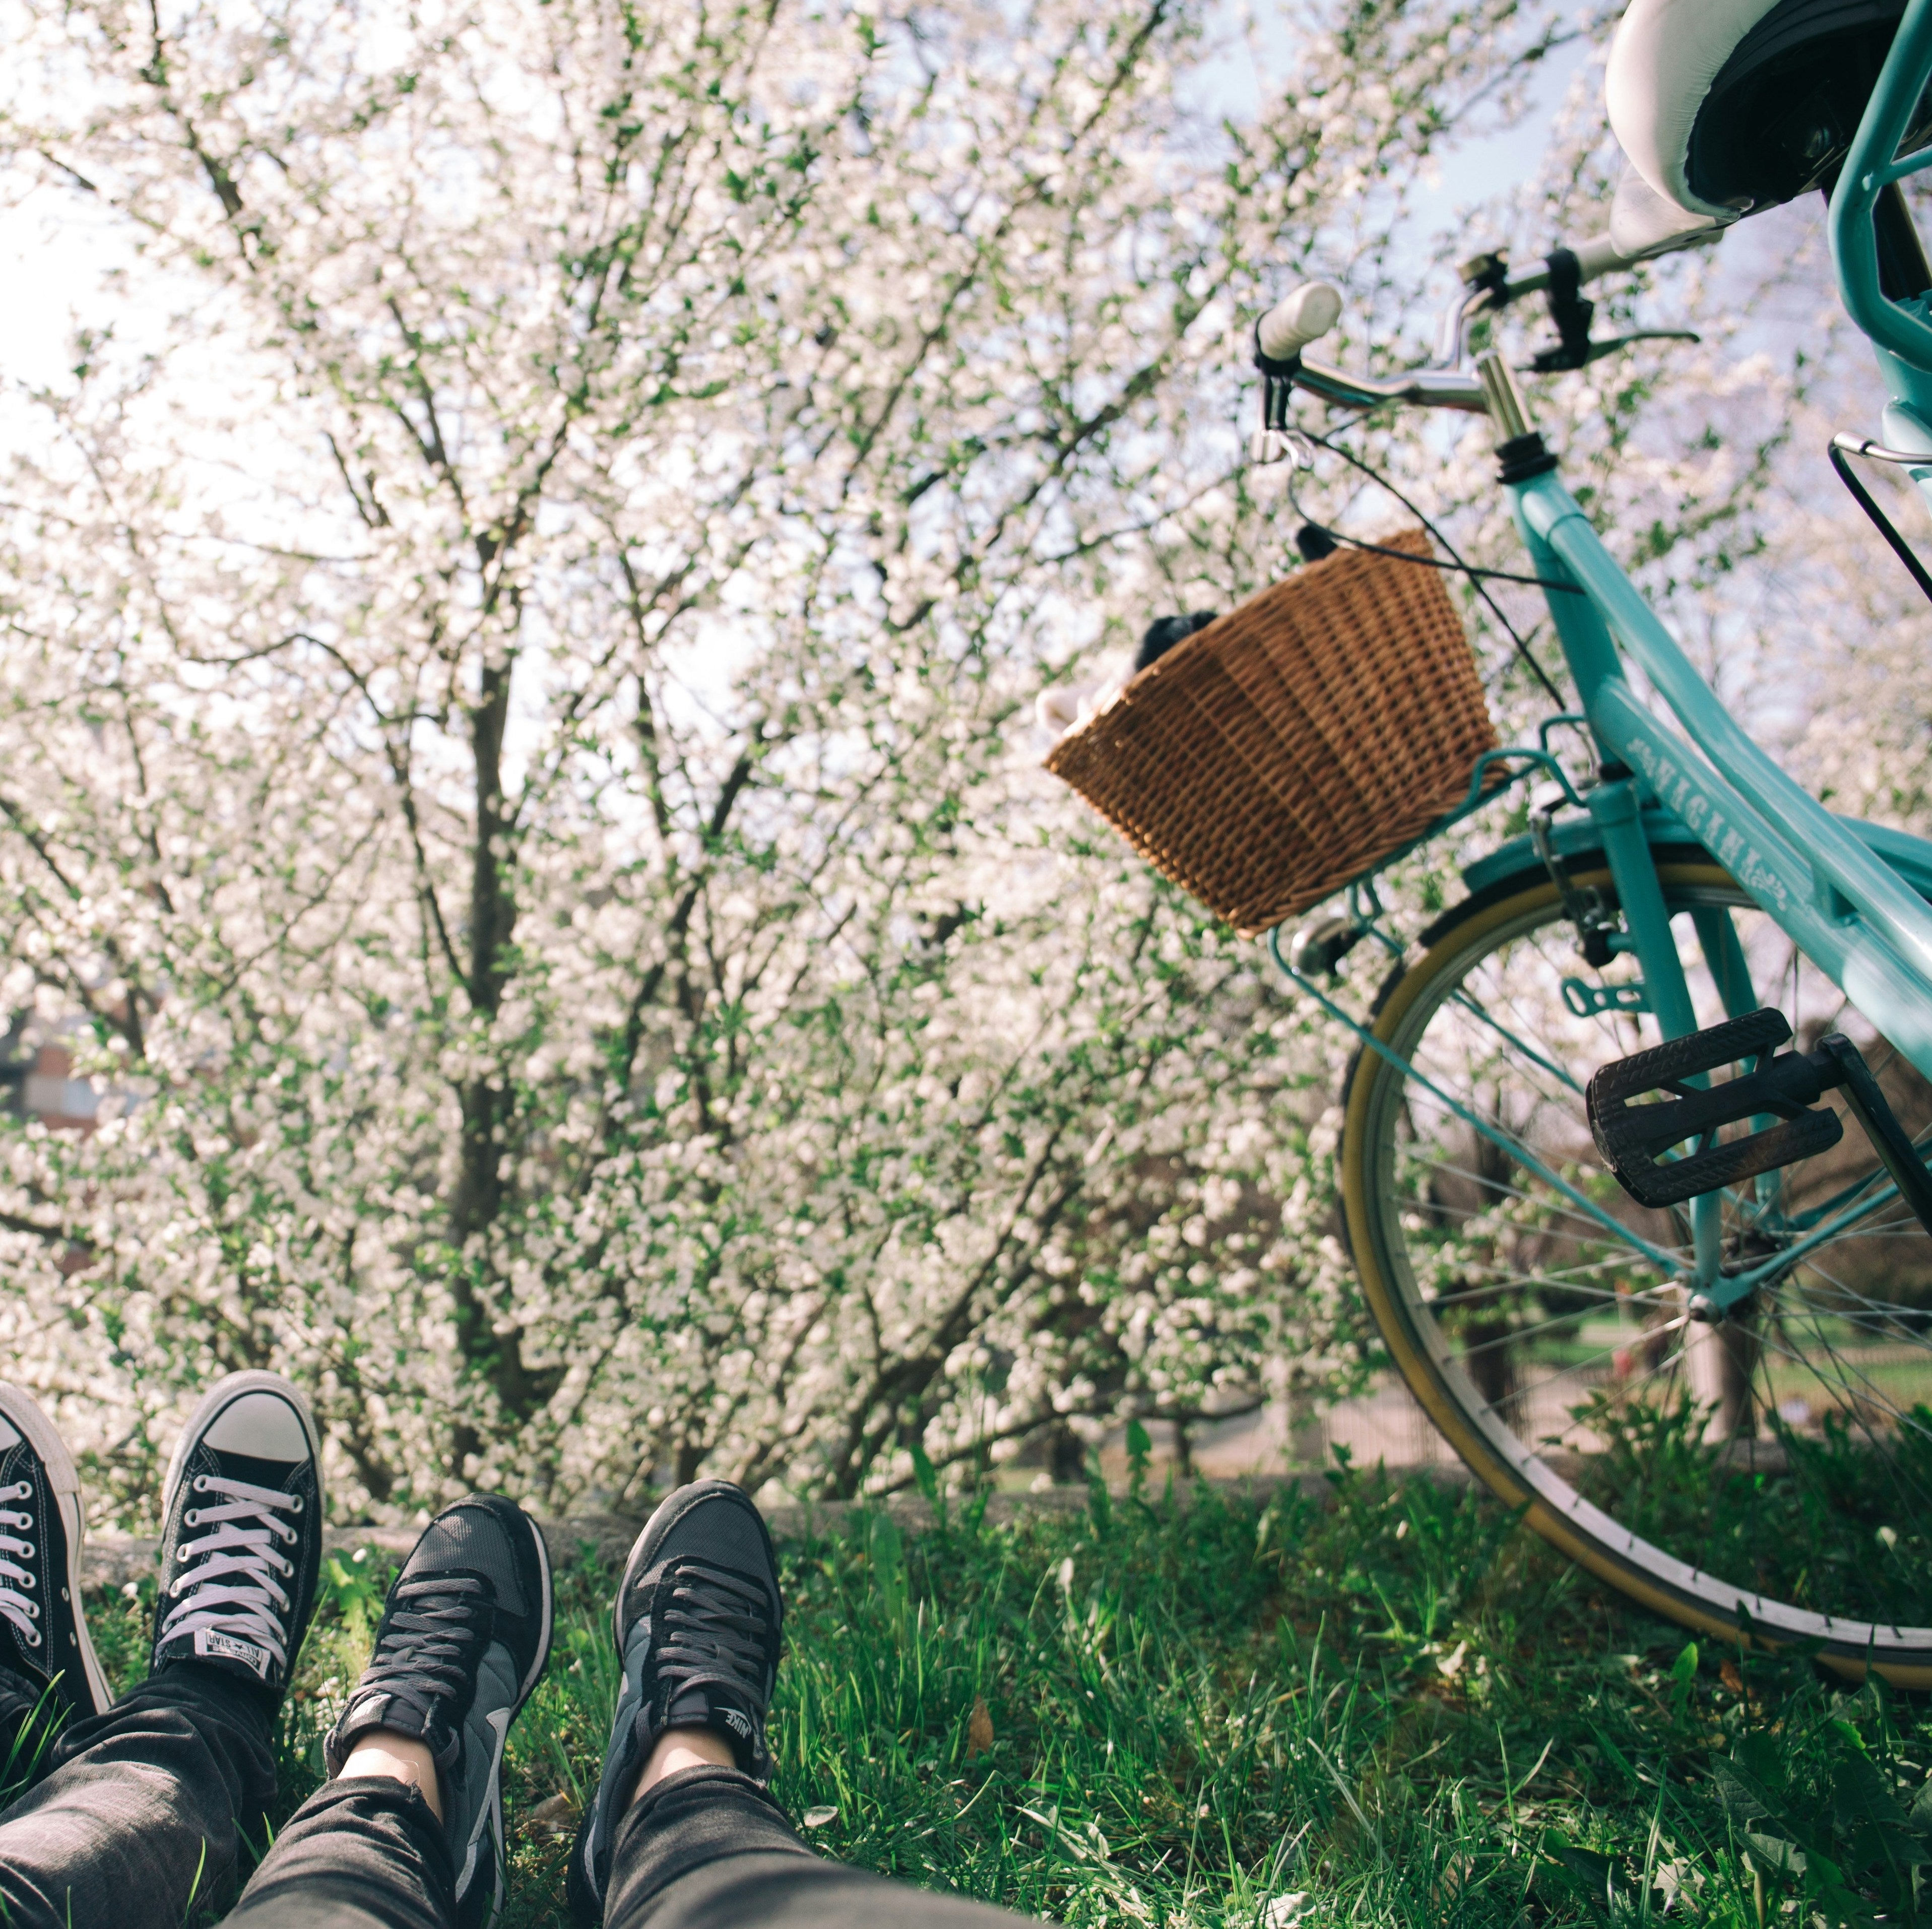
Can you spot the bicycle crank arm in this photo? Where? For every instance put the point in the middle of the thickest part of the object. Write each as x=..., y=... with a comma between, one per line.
x=1641, y=1106
x=1890, y=1140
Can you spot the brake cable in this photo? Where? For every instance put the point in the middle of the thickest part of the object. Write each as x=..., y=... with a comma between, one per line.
x=1583, y=906
x=1475, y=572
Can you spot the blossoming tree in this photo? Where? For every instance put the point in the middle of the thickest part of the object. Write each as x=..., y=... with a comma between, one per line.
x=520, y=633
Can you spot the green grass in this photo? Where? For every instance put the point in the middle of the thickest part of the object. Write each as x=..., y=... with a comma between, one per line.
x=1846, y=1532
x=1395, y=1703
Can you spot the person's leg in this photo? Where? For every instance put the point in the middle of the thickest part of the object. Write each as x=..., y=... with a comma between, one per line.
x=143, y=1809
x=409, y=1834
x=682, y=1832
x=704, y=1847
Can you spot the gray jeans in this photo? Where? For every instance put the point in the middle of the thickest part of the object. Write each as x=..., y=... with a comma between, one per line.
x=142, y=1817
x=709, y=1848
x=145, y=1817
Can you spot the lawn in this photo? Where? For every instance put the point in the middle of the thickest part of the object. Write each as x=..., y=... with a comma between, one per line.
x=1384, y=1703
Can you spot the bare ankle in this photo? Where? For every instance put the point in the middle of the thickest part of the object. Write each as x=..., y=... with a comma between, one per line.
x=684, y=1748
x=400, y=1757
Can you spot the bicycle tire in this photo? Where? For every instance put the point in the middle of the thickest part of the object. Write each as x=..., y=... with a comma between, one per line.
x=1381, y=1103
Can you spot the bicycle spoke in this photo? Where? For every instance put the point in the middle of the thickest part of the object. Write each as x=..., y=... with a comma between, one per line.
x=1535, y=1057
x=1506, y=1191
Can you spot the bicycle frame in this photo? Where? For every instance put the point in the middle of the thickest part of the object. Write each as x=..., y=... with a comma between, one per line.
x=1847, y=911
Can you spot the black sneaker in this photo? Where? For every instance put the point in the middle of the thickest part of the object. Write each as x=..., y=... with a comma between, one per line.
x=465, y=1634
x=698, y=1619
x=43, y=1631
x=241, y=1546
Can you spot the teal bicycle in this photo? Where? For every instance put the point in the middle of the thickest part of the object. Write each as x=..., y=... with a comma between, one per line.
x=1633, y=1158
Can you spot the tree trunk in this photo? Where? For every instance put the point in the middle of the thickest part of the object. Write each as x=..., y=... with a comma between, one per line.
x=495, y=1358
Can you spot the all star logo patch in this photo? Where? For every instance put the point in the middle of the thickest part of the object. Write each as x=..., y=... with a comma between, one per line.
x=736, y=1722
x=212, y=1641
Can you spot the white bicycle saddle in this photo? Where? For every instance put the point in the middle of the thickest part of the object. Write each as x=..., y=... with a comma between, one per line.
x=1724, y=106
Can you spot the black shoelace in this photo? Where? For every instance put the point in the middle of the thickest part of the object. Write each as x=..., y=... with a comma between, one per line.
x=713, y=1624
x=425, y=1655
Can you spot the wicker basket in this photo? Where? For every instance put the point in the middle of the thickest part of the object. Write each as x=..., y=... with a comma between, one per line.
x=1296, y=741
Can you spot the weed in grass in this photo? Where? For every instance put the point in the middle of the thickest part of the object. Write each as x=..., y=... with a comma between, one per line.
x=1389, y=1704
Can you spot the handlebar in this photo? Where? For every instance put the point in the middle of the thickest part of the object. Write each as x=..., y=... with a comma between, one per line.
x=1422, y=388
x=1643, y=227
x=1305, y=316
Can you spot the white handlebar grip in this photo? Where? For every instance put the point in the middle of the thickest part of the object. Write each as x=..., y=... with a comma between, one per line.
x=1306, y=316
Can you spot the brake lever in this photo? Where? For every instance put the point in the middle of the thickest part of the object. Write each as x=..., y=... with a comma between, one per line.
x=1572, y=314
x=1565, y=354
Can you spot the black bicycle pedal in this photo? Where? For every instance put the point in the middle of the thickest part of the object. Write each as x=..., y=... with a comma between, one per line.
x=1634, y=1122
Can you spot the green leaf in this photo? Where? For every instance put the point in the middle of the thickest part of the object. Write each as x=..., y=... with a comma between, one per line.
x=887, y=1549
x=1099, y=1502
x=1744, y=1800
x=1780, y=1857
x=1921, y=1809
x=1614, y=1755
x=925, y=1474
x=1860, y=1793
x=1589, y=1874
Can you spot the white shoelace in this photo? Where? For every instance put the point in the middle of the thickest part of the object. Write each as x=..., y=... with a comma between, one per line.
x=16, y=1582
x=230, y=1579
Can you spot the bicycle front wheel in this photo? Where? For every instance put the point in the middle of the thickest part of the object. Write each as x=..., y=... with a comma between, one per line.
x=1768, y=1476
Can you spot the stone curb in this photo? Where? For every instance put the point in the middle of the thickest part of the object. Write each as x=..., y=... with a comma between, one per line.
x=110, y=1560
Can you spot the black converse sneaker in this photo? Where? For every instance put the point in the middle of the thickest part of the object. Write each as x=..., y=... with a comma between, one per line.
x=43, y=1632
x=242, y=1548
x=465, y=1634
x=698, y=1618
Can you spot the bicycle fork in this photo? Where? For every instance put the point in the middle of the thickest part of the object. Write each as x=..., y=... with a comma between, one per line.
x=1614, y=804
